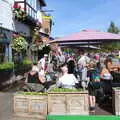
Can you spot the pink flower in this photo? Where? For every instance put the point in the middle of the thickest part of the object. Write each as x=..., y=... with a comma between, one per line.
x=15, y=5
x=19, y=6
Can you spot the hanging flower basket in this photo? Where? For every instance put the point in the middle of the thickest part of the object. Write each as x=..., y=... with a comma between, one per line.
x=19, y=43
x=18, y=13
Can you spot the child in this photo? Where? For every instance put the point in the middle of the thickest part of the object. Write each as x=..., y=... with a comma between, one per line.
x=93, y=85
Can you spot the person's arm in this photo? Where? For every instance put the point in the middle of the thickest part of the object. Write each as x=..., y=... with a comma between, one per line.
x=59, y=83
x=114, y=67
x=42, y=78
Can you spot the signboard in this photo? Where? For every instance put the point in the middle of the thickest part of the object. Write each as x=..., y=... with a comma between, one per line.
x=47, y=17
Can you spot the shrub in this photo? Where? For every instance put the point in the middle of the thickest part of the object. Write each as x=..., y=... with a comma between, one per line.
x=65, y=90
x=27, y=62
x=6, y=66
x=31, y=93
x=24, y=64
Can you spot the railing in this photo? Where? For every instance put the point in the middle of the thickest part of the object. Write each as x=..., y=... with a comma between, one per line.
x=30, y=12
x=31, y=9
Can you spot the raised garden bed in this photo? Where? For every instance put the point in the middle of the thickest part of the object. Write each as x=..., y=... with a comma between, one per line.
x=116, y=100
x=68, y=102
x=30, y=104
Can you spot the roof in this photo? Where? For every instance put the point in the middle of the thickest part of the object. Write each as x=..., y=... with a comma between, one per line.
x=42, y=2
x=89, y=35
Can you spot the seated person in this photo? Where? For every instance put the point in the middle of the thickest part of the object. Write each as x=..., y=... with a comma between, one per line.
x=33, y=81
x=106, y=77
x=106, y=72
x=66, y=80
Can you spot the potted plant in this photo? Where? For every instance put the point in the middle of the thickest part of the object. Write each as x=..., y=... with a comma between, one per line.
x=6, y=70
x=23, y=67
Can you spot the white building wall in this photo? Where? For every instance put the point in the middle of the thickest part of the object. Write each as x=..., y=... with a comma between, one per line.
x=6, y=14
x=6, y=17
x=7, y=21
x=22, y=28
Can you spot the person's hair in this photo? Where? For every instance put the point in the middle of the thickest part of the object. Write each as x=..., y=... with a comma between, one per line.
x=107, y=61
x=82, y=51
x=92, y=64
x=62, y=65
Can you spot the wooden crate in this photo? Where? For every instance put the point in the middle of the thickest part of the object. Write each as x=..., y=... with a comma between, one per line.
x=116, y=101
x=33, y=106
x=75, y=103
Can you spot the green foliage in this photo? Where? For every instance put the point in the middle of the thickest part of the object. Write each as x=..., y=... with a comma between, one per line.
x=111, y=46
x=6, y=66
x=19, y=14
x=65, y=90
x=27, y=62
x=113, y=29
x=34, y=47
x=31, y=93
x=24, y=64
x=19, y=43
x=116, y=88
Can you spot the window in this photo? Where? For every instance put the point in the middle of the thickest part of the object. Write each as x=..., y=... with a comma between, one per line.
x=46, y=30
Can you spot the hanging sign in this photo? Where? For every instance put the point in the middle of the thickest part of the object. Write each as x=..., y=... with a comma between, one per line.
x=47, y=17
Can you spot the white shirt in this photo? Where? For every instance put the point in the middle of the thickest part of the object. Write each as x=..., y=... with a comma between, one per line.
x=42, y=62
x=67, y=81
x=82, y=62
x=119, y=54
x=61, y=58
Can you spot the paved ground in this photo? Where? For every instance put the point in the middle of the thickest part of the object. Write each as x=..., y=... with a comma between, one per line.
x=104, y=110
x=5, y=106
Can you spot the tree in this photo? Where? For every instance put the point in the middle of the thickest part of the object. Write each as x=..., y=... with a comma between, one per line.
x=112, y=28
x=111, y=46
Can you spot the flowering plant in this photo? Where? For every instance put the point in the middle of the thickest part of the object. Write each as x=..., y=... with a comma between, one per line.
x=19, y=43
x=18, y=12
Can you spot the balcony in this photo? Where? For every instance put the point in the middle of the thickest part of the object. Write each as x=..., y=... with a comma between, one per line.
x=25, y=13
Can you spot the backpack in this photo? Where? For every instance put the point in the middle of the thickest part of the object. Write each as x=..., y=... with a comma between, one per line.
x=94, y=79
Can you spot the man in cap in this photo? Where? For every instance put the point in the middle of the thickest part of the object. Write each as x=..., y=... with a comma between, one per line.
x=42, y=61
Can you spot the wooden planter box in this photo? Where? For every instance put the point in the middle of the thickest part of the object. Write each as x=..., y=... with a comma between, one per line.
x=32, y=106
x=68, y=103
x=116, y=101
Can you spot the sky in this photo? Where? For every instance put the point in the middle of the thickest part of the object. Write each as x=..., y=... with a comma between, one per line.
x=71, y=16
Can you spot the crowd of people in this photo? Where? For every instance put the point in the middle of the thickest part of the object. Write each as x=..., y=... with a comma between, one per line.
x=73, y=71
